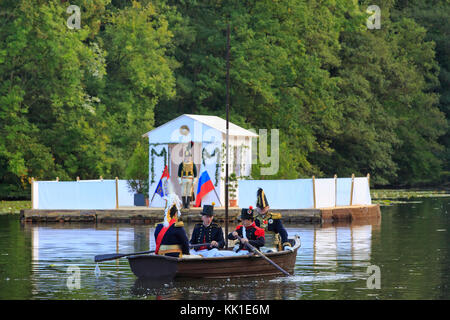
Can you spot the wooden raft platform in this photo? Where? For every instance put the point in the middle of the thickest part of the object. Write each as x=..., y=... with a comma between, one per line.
x=144, y=215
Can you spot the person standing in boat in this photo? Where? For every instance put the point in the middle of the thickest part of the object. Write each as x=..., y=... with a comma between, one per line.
x=170, y=236
x=271, y=221
x=208, y=232
x=187, y=174
x=248, y=231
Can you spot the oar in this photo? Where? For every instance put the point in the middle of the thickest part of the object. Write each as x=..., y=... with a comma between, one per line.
x=253, y=249
x=114, y=256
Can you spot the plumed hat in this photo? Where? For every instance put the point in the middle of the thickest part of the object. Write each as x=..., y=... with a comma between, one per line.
x=188, y=152
x=172, y=203
x=261, y=200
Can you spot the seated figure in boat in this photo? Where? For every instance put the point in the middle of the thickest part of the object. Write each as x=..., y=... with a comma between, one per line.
x=271, y=222
x=208, y=232
x=170, y=236
x=248, y=231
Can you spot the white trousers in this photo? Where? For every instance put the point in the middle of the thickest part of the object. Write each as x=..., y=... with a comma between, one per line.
x=186, y=186
x=216, y=253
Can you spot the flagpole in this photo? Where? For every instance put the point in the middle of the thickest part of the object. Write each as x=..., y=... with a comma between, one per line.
x=162, y=186
x=217, y=196
x=228, y=109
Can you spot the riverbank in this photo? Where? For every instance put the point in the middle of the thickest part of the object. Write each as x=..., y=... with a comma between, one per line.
x=144, y=215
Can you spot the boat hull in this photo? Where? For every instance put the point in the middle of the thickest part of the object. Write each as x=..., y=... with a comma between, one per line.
x=157, y=267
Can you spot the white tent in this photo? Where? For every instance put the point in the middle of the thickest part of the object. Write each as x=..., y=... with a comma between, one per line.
x=208, y=133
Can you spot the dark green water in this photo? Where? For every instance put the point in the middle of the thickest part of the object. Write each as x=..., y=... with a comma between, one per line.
x=410, y=246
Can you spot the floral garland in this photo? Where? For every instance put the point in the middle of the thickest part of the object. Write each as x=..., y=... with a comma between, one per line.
x=206, y=154
x=154, y=153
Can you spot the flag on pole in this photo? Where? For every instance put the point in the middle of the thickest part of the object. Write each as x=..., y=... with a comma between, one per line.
x=205, y=185
x=161, y=188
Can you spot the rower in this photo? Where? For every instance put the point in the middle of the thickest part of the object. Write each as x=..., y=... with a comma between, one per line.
x=208, y=232
x=170, y=236
x=248, y=231
x=271, y=221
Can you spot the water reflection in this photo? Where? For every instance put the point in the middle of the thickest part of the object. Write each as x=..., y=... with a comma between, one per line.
x=411, y=246
x=329, y=254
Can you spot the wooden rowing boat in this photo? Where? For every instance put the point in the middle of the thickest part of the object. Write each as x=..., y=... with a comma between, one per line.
x=155, y=266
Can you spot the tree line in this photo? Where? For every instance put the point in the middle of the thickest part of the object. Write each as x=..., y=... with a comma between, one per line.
x=346, y=99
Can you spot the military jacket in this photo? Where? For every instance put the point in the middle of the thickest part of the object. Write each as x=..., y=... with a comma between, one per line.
x=255, y=236
x=187, y=169
x=272, y=222
x=202, y=234
x=174, y=235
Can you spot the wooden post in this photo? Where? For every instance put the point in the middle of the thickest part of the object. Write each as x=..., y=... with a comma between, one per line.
x=335, y=190
x=351, y=192
x=101, y=178
x=368, y=179
x=314, y=190
x=32, y=193
x=117, y=193
x=57, y=179
x=78, y=179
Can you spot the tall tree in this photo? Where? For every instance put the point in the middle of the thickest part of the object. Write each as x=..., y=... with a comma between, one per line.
x=48, y=120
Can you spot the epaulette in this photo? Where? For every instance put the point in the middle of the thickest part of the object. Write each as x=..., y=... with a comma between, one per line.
x=275, y=215
x=156, y=224
x=179, y=224
x=215, y=225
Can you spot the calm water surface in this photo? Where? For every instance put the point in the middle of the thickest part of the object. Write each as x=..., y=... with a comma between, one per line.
x=410, y=245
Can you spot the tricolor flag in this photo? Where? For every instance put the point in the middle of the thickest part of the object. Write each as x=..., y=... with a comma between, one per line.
x=205, y=185
x=161, y=188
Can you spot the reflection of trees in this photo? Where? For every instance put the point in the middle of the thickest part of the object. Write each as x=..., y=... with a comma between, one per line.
x=412, y=254
x=15, y=259
x=418, y=254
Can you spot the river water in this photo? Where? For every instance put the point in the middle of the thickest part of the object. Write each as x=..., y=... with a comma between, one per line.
x=405, y=255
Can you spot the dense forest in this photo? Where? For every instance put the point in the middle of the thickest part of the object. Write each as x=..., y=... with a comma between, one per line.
x=346, y=98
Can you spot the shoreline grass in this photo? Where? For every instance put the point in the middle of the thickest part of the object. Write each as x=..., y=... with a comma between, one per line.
x=389, y=197
x=14, y=207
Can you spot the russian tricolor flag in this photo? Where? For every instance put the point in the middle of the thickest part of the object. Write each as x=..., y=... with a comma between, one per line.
x=205, y=185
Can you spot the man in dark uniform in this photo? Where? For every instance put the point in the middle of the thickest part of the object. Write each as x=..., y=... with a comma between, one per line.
x=248, y=231
x=208, y=232
x=187, y=174
x=271, y=221
x=171, y=239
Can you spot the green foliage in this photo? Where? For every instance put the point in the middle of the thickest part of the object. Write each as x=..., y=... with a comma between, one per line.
x=14, y=206
x=137, y=169
x=233, y=185
x=345, y=99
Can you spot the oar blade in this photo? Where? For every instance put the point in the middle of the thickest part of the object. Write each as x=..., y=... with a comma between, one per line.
x=113, y=256
x=110, y=256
